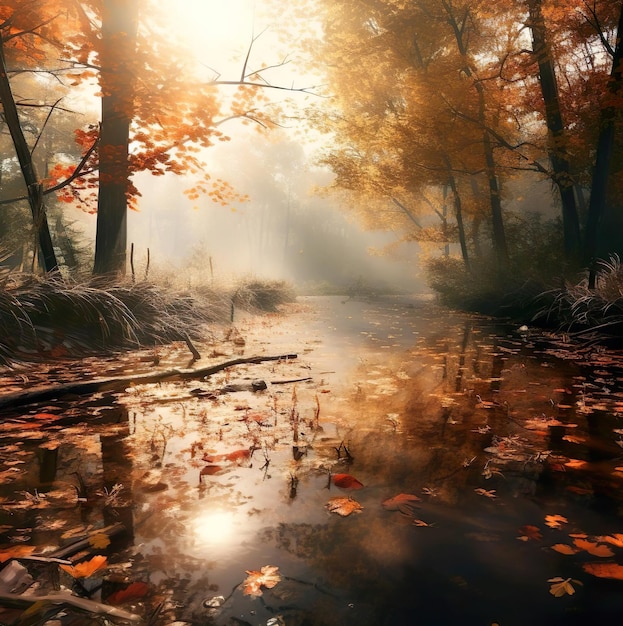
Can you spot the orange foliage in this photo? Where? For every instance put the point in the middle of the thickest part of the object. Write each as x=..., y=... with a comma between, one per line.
x=86, y=568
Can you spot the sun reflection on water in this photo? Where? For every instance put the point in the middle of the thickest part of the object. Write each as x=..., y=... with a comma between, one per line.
x=214, y=527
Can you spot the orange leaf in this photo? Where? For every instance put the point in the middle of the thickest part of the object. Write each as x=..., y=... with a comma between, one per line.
x=209, y=470
x=346, y=481
x=530, y=532
x=400, y=502
x=131, y=592
x=15, y=552
x=267, y=577
x=604, y=570
x=616, y=539
x=46, y=416
x=564, y=549
x=593, y=548
x=343, y=506
x=86, y=568
x=555, y=521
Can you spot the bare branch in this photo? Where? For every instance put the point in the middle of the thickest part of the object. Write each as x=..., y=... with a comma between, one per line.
x=47, y=119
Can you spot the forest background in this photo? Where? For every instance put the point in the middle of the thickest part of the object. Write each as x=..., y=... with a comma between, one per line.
x=489, y=135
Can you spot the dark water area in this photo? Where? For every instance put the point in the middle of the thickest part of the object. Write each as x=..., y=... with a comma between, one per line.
x=480, y=464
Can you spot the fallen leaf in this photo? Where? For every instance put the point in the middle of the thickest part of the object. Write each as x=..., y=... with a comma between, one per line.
x=133, y=591
x=576, y=464
x=530, y=532
x=86, y=568
x=15, y=552
x=346, y=481
x=267, y=577
x=555, y=521
x=563, y=548
x=562, y=586
x=99, y=541
x=403, y=502
x=616, y=539
x=593, y=548
x=484, y=492
x=343, y=506
x=209, y=470
x=236, y=455
x=604, y=570
x=422, y=523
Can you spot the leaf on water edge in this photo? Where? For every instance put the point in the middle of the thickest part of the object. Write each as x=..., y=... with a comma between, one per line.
x=555, y=521
x=530, y=532
x=604, y=570
x=99, y=541
x=46, y=416
x=14, y=552
x=133, y=591
x=397, y=502
x=484, y=492
x=86, y=568
x=346, y=481
x=343, y=505
x=562, y=586
x=563, y=548
x=268, y=577
x=593, y=548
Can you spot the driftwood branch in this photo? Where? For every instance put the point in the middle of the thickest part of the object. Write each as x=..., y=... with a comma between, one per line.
x=120, y=383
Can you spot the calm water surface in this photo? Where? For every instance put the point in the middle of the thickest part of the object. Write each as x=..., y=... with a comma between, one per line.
x=512, y=449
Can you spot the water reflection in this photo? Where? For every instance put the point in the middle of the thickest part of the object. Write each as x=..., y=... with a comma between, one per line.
x=495, y=437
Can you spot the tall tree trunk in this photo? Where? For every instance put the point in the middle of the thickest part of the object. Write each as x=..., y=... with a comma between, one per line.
x=117, y=81
x=603, y=157
x=458, y=211
x=557, y=143
x=45, y=249
x=495, y=201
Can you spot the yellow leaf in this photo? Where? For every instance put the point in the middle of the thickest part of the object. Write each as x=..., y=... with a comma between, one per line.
x=99, y=541
x=86, y=568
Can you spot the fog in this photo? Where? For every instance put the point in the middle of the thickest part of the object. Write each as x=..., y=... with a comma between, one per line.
x=287, y=229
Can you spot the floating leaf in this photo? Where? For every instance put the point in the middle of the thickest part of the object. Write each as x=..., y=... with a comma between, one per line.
x=267, y=577
x=14, y=552
x=563, y=548
x=210, y=470
x=235, y=456
x=133, y=591
x=487, y=493
x=530, y=532
x=593, y=548
x=422, y=523
x=604, y=570
x=343, y=506
x=99, y=541
x=562, y=586
x=576, y=464
x=46, y=416
x=555, y=521
x=346, y=481
x=86, y=568
x=616, y=539
x=403, y=502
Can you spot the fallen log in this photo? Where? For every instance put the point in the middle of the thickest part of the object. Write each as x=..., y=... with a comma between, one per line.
x=120, y=383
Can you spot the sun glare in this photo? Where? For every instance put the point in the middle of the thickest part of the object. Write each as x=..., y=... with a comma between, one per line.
x=214, y=528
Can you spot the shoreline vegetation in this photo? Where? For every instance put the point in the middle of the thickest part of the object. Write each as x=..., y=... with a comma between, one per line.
x=45, y=318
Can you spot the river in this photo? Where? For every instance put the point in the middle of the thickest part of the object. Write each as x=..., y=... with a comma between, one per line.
x=474, y=467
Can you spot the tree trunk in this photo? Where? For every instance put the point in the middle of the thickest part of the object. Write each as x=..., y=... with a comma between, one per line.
x=33, y=184
x=603, y=158
x=458, y=212
x=117, y=82
x=557, y=149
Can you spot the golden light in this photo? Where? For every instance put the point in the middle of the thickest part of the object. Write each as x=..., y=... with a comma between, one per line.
x=214, y=528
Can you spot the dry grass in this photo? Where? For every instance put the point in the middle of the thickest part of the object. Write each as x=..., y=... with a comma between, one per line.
x=53, y=317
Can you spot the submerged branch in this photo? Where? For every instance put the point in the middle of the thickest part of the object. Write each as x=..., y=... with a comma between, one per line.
x=120, y=383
